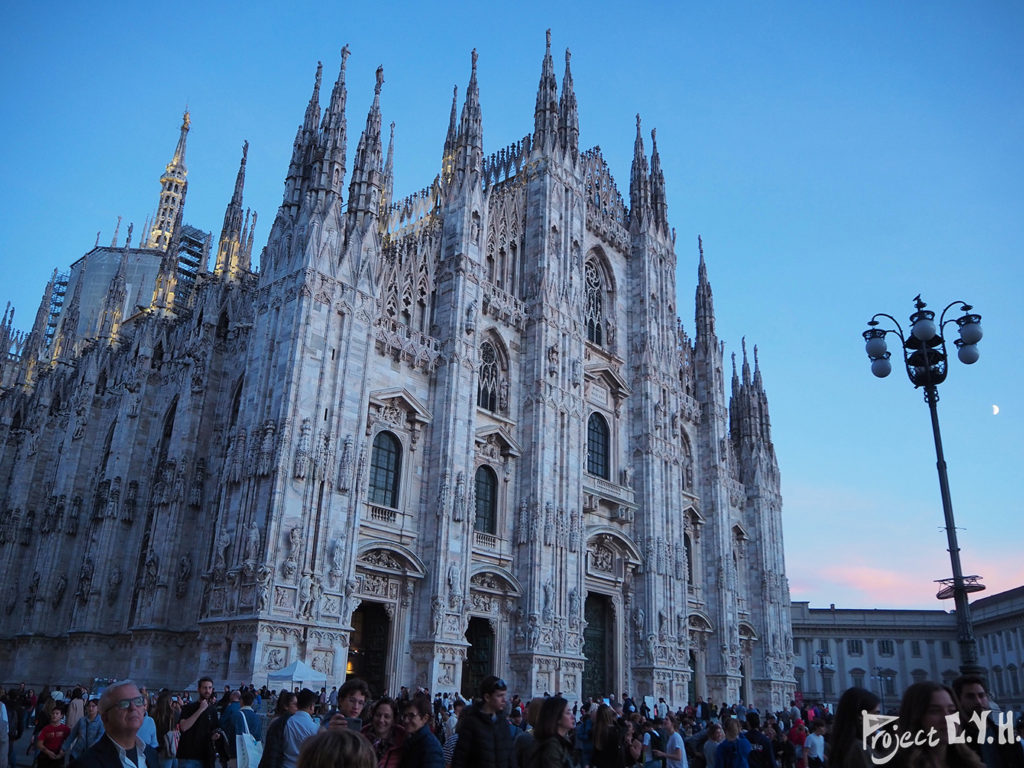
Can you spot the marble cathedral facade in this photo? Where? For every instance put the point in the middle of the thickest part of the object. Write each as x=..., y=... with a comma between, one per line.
x=431, y=439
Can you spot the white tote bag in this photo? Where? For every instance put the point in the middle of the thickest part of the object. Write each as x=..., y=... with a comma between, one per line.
x=249, y=750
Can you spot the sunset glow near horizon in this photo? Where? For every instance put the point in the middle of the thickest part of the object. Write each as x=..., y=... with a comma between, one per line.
x=837, y=161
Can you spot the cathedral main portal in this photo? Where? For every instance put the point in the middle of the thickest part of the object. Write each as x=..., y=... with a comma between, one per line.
x=598, y=646
x=479, y=656
x=368, y=656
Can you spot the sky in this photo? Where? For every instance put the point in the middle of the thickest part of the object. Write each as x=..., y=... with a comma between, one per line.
x=837, y=159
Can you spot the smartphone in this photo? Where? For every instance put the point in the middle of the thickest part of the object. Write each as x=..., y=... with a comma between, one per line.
x=354, y=723
x=174, y=698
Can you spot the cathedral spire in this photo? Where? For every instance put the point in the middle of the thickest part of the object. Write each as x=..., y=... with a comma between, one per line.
x=639, y=182
x=117, y=231
x=66, y=335
x=333, y=135
x=469, y=146
x=365, y=188
x=746, y=363
x=231, y=260
x=113, y=303
x=658, y=204
x=705, y=313
x=388, y=190
x=448, y=155
x=568, y=116
x=302, y=149
x=173, y=186
x=166, y=279
x=545, y=115
x=35, y=345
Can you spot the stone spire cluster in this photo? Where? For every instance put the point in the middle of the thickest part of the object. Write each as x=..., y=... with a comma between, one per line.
x=234, y=250
x=556, y=125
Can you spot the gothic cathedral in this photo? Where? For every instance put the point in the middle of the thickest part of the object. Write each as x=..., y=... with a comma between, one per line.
x=431, y=439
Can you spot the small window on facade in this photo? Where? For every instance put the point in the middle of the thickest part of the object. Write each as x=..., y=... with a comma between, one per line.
x=597, y=446
x=885, y=648
x=486, y=501
x=490, y=376
x=384, y=467
x=857, y=678
x=855, y=647
x=915, y=647
x=947, y=649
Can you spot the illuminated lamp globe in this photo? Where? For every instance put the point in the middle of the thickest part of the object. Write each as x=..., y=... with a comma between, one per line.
x=970, y=333
x=968, y=354
x=881, y=367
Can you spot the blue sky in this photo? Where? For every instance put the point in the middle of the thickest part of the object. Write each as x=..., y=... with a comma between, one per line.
x=837, y=159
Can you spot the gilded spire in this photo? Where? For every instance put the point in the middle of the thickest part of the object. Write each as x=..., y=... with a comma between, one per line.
x=448, y=155
x=173, y=186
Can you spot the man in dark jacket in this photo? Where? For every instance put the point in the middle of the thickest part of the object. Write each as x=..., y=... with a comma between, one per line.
x=122, y=710
x=484, y=738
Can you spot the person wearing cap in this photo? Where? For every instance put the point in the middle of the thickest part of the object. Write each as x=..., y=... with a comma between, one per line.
x=484, y=737
x=122, y=710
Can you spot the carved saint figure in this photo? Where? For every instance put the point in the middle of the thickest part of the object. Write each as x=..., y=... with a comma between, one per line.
x=252, y=542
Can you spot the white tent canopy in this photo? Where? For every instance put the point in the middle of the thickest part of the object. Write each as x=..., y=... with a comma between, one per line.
x=296, y=672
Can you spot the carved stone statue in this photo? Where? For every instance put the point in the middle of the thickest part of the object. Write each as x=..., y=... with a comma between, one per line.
x=59, y=589
x=183, y=575
x=85, y=580
x=252, y=542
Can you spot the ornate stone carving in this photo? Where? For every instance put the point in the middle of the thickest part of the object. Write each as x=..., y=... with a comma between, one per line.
x=345, y=468
x=183, y=575
x=459, y=506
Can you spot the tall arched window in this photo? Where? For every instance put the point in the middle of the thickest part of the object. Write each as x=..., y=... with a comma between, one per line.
x=385, y=463
x=595, y=305
x=486, y=501
x=490, y=376
x=689, y=557
x=597, y=446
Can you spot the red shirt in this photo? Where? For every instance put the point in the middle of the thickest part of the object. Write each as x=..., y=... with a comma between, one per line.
x=53, y=737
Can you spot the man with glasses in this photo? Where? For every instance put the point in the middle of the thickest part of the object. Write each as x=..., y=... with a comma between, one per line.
x=122, y=709
x=484, y=737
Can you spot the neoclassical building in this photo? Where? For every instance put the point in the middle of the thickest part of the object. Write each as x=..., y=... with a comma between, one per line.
x=430, y=439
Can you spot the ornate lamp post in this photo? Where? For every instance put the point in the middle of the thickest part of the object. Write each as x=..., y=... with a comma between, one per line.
x=924, y=354
x=883, y=681
x=824, y=661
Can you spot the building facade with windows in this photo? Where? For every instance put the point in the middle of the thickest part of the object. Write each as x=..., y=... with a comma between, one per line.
x=434, y=438
x=887, y=650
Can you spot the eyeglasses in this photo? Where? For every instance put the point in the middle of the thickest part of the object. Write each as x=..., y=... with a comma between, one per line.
x=135, y=701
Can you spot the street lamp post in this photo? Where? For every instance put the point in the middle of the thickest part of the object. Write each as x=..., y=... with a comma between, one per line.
x=883, y=679
x=823, y=660
x=924, y=354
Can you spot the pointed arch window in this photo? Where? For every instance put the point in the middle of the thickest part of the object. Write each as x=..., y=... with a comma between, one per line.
x=688, y=546
x=385, y=463
x=598, y=458
x=486, y=501
x=594, y=313
x=490, y=374
x=167, y=432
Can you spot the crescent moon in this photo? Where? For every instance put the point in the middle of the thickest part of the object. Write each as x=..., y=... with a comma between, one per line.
x=995, y=409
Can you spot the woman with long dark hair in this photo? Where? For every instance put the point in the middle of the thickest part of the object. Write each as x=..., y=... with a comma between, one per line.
x=847, y=729
x=553, y=748
x=385, y=733
x=923, y=709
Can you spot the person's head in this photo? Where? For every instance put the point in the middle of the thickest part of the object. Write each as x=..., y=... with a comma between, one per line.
x=848, y=723
x=205, y=688
x=732, y=728
x=457, y=707
x=352, y=697
x=56, y=715
x=669, y=724
x=818, y=726
x=383, y=715
x=307, y=699
x=235, y=696
x=122, y=710
x=286, y=704
x=971, y=693
x=753, y=721
x=715, y=732
x=555, y=718
x=248, y=697
x=516, y=717
x=337, y=749
x=493, y=690
x=533, y=711
x=924, y=706
x=417, y=712
x=604, y=727
x=92, y=709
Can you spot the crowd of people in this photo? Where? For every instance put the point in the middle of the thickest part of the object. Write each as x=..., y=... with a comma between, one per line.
x=127, y=727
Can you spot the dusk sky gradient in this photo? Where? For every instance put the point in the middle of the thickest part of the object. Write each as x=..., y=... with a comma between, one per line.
x=836, y=158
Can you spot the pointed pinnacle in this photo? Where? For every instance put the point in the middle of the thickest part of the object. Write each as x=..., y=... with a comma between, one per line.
x=345, y=53
x=380, y=80
x=548, y=36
